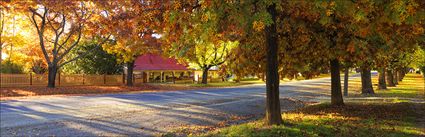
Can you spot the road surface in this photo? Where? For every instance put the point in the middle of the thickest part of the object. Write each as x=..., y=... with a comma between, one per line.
x=147, y=114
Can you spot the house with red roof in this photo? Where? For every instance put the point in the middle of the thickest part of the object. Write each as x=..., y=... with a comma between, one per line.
x=156, y=68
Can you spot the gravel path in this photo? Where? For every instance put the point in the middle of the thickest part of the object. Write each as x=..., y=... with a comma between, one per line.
x=148, y=114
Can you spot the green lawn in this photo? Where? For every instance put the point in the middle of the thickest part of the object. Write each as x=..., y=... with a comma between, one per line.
x=412, y=86
x=354, y=119
x=222, y=84
x=247, y=81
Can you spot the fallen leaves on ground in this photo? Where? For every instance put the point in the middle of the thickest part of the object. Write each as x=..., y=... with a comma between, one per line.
x=353, y=119
x=7, y=93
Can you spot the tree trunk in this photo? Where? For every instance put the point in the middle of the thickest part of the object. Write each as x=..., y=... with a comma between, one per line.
x=336, y=95
x=390, y=78
x=346, y=71
x=381, y=79
x=400, y=75
x=237, y=78
x=51, y=78
x=263, y=77
x=205, y=75
x=273, y=112
x=395, y=78
x=130, y=67
x=366, y=78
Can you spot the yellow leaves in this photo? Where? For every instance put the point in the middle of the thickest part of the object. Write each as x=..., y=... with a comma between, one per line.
x=258, y=25
x=204, y=18
x=150, y=16
x=166, y=16
x=230, y=1
x=418, y=29
x=177, y=5
x=208, y=16
x=329, y=12
x=410, y=9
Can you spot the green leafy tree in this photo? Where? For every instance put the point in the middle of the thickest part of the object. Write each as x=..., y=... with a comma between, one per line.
x=96, y=62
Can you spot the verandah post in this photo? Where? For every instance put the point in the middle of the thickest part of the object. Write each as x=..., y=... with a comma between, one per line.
x=147, y=76
x=174, y=79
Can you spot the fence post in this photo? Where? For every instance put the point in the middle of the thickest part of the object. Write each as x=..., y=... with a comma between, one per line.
x=104, y=79
x=30, y=78
x=123, y=78
x=83, y=80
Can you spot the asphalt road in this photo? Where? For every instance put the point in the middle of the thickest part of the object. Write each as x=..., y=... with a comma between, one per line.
x=147, y=114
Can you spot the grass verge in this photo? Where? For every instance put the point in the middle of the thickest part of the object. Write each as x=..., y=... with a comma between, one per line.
x=412, y=86
x=354, y=119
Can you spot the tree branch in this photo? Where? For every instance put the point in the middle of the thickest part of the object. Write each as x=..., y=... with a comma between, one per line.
x=73, y=44
x=40, y=30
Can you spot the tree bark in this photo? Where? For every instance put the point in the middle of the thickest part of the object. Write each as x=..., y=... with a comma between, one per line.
x=273, y=112
x=395, y=78
x=205, y=75
x=130, y=67
x=381, y=79
x=366, y=78
x=390, y=78
x=336, y=95
x=238, y=78
x=400, y=75
x=346, y=71
x=51, y=76
x=263, y=77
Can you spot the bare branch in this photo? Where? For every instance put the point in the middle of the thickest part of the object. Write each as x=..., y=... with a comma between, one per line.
x=73, y=44
x=40, y=30
x=58, y=35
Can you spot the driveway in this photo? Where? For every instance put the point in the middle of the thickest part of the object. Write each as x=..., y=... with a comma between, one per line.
x=148, y=114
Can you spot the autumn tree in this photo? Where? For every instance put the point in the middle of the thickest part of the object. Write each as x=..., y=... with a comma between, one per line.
x=133, y=25
x=394, y=28
x=60, y=27
x=17, y=36
x=236, y=19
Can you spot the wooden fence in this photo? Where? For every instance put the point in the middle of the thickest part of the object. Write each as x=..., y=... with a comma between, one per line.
x=24, y=80
x=19, y=80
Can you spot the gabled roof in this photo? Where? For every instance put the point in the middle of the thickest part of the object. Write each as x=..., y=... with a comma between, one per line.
x=157, y=62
